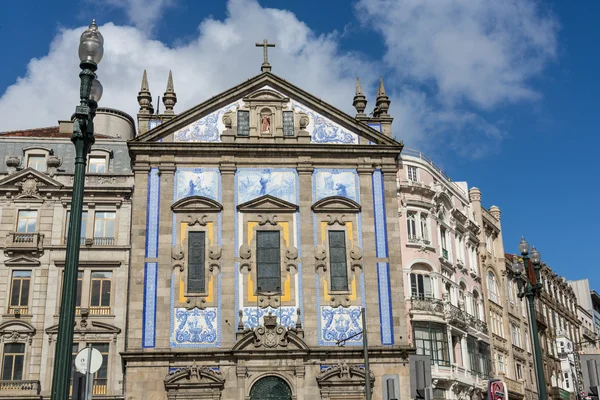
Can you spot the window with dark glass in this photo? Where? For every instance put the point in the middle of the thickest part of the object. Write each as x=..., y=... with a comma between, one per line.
x=485, y=362
x=431, y=340
x=268, y=262
x=337, y=259
x=74, y=351
x=473, y=360
x=243, y=123
x=196, y=282
x=14, y=357
x=19, y=292
x=100, y=292
x=288, y=123
x=84, y=215
x=101, y=378
x=420, y=286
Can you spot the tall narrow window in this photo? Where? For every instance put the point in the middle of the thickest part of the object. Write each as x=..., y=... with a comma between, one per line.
x=27, y=221
x=78, y=296
x=424, y=229
x=19, y=292
x=420, y=286
x=74, y=351
x=104, y=228
x=411, y=226
x=492, y=289
x=37, y=162
x=196, y=282
x=337, y=260
x=14, y=357
x=444, y=244
x=473, y=359
x=243, y=123
x=100, y=295
x=268, y=262
x=288, y=123
x=412, y=173
x=97, y=164
x=476, y=304
x=101, y=379
x=84, y=215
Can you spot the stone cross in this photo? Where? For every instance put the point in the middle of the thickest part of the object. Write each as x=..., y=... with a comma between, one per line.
x=265, y=45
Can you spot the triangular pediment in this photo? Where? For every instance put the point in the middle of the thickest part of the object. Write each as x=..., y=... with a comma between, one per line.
x=22, y=262
x=86, y=326
x=196, y=204
x=267, y=203
x=328, y=125
x=336, y=204
x=18, y=178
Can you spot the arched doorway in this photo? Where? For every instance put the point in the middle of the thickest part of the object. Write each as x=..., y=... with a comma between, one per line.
x=270, y=388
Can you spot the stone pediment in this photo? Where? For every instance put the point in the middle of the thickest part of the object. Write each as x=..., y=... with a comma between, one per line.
x=194, y=382
x=270, y=336
x=22, y=262
x=196, y=204
x=343, y=381
x=331, y=125
x=267, y=203
x=336, y=204
x=16, y=330
x=19, y=178
x=89, y=327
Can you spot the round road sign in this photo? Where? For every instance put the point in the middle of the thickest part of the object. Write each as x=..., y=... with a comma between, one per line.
x=81, y=360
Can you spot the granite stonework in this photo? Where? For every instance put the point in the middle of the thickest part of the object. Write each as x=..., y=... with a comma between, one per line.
x=328, y=175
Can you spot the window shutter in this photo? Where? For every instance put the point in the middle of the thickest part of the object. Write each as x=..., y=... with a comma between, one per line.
x=288, y=123
x=268, y=262
x=196, y=260
x=243, y=123
x=337, y=259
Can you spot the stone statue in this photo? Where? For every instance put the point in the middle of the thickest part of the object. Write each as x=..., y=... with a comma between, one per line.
x=266, y=123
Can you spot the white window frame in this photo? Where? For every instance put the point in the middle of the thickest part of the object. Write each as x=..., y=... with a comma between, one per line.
x=414, y=169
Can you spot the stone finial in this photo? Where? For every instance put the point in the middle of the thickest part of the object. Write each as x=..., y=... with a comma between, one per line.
x=145, y=97
x=475, y=194
x=382, y=102
x=13, y=162
x=495, y=211
x=360, y=101
x=170, y=97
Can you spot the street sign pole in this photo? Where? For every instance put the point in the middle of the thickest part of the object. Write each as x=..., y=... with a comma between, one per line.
x=88, y=386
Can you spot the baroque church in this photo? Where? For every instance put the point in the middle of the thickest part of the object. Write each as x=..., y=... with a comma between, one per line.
x=264, y=222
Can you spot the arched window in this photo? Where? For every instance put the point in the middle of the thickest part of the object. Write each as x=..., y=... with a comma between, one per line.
x=493, y=288
x=461, y=296
x=270, y=387
x=420, y=286
x=411, y=225
x=424, y=228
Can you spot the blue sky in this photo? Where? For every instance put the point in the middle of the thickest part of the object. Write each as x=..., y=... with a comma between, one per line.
x=503, y=95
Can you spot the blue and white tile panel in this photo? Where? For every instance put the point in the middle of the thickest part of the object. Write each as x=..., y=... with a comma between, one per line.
x=149, y=314
x=383, y=274
x=153, y=214
x=151, y=268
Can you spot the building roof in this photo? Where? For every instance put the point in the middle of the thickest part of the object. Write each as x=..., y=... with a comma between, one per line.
x=48, y=132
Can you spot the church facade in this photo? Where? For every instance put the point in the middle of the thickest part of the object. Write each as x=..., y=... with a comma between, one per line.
x=264, y=223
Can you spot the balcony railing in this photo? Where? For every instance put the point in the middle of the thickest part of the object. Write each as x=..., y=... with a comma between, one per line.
x=418, y=154
x=427, y=304
x=588, y=333
x=18, y=310
x=99, y=386
x=15, y=389
x=417, y=240
x=104, y=241
x=99, y=310
x=24, y=240
x=81, y=240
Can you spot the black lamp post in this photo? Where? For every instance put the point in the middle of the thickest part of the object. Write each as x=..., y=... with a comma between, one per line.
x=91, y=49
x=530, y=286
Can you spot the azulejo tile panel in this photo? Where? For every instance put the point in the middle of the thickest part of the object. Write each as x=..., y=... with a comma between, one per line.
x=194, y=327
x=336, y=182
x=385, y=303
x=324, y=130
x=253, y=183
x=149, y=315
x=254, y=316
x=152, y=218
x=207, y=128
x=340, y=323
x=196, y=182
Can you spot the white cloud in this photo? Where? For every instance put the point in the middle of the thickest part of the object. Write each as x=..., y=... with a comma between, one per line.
x=447, y=60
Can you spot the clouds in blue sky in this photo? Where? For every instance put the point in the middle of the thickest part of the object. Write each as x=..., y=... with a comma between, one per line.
x=446, y=63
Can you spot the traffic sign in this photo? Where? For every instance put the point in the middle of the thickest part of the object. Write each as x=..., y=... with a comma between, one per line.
x=93, y=355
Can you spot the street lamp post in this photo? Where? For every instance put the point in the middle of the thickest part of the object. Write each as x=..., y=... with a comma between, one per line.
x=530, y=286
x=91, y=49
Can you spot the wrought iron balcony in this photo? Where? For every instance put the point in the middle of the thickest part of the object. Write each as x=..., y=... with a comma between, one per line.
x=427, y=305
x=104, y=241
x=16, y=241
x=16, y=389
x=412, y=239
x=588, y=333
x=513, y=386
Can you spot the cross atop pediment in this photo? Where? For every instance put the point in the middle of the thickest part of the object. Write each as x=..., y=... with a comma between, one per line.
x=265, y=67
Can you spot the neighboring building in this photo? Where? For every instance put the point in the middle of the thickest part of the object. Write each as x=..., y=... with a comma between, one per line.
x=264, y=222
x=588, y=311
x=36, y=178
x=560, y=334
x=505, y=312
x=444, y=297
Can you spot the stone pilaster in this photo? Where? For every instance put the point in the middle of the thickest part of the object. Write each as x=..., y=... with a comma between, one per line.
x=309, y=288
x=228, y=311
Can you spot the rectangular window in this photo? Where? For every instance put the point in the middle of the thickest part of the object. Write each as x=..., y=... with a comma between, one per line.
x=485, y=364
x=412, y=173
x=84, y=215
x=424, y=229
x=14, y=357
x=243, y=123
x=100, y=292
x=104, y=228
x=196, y=282
x=519, y=371
x=78, y=296
x=101, y=378
x=431, y=339
x=27, y=221
x=473, y=359
x=288, y=123
x=420, y=286
x=37, y=162
x=500, y=360
x=439, y=394
x=411, y=226
x=337, y=260
x=97, y=164
x=268, y=262
x=19, y=292
x=74, y=351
